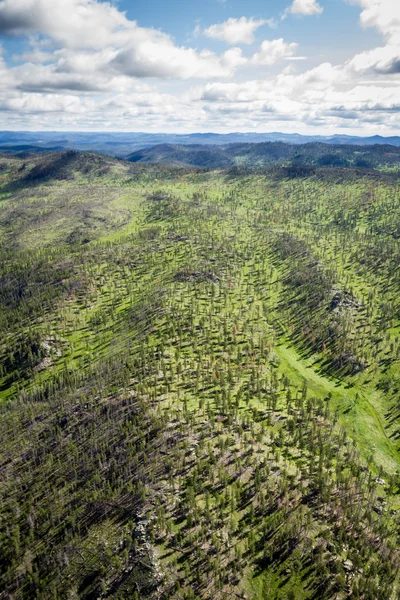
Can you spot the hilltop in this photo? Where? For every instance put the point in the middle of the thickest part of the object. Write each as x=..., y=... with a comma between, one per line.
x=271, y=153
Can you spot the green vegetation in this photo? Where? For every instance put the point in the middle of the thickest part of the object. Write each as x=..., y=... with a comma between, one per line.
x=298, y=157
x=199, y=381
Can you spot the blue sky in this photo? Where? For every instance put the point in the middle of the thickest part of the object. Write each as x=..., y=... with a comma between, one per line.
x=180, y=17
x=312, y=66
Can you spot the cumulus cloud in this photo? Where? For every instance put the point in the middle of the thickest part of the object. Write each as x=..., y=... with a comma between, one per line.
x=382, y=14
x=304, y=7
x=272, y=51
x=111, y=41
x=320, y=95
x=168, y=61
x=38, y=103
x=236, y=31
x=384, y=60
x=73, y=23
x=90, y=66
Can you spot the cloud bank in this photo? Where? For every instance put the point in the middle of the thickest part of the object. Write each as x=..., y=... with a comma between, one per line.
x=87, y=65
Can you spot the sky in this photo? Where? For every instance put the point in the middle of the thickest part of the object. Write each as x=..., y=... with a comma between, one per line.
x=184, y=66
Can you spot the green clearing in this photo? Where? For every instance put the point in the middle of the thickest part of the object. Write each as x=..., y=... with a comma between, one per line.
x=199, y=382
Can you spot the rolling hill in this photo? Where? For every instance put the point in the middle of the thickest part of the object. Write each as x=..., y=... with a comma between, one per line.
x=122, y=144
x=271, y=153
x=199, y=378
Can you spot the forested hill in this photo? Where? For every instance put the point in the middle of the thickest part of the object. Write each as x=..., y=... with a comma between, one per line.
x=122, y=144
x=271, y=153
x=199, y=381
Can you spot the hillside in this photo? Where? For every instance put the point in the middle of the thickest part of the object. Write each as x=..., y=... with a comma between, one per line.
x=271, y=153
x=199, y=382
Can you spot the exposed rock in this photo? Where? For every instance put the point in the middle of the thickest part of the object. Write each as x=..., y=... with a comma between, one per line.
x=343, y=299
x=348, y=565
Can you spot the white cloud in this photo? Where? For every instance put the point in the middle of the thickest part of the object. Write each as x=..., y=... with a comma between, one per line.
x=382, y=14
x=323, y=95
x=89, y=66
x=272, y=51
x=111, y=42
x=73, y=23
x=385, y=60
x=38, y=103
x=236, y=31
x=288, y=101
x=34, y=55
x=166, y=61
x=304, y=7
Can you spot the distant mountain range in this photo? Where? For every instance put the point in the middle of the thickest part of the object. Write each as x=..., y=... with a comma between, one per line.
x=124, y=144
x=267, y=154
